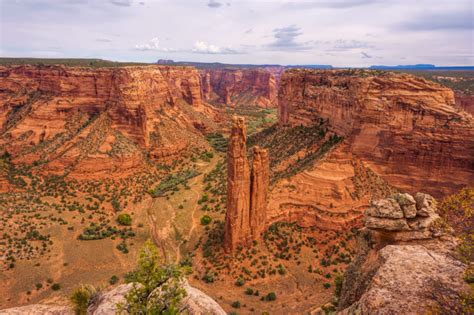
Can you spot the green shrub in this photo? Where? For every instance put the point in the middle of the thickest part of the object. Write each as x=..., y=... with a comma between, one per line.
x=270, y=296
x=326, y=285
x=205, y=220
x=338, y=284
x=239, y=282
x=81, y=298
x=113, y=280
x=150, y=275
x=124, y=219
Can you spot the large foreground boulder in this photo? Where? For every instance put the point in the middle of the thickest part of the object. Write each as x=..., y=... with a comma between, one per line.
x=196, y=302
x=408, y=279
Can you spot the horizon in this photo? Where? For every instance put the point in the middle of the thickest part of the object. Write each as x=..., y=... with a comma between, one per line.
x=242, y=32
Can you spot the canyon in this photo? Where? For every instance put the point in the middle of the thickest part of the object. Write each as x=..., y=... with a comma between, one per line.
x=188, y=154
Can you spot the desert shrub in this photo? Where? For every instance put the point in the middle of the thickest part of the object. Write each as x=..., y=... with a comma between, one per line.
x=270, y=296
x=338, y=284
x=205, y=220
x=56, y=287
x=124, y=219
x=209, y=277
x=148, y=277
x=39, y=286
x=81, y=298
x=239, y=282
x=113, y=280
x=249, y=291
x=327, y=285
x=235, y=304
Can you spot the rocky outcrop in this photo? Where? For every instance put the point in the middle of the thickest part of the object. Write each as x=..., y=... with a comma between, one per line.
x=403, y=218
x=406, y=129
x=246, y=190
x=69, y=118
x=259, y=191
x=405, y=262
x=242, y=86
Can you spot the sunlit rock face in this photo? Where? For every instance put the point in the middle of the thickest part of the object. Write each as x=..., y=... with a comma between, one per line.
x=97, y=120
x=405, y=128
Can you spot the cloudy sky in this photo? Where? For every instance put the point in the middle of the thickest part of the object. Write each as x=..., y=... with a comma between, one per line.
x=341, y=33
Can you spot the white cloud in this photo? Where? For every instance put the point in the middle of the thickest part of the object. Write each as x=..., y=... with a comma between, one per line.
x=153, y=44
x=201, y=47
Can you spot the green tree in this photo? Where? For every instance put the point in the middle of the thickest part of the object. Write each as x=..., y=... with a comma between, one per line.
x=157, y=288
x=124, y=219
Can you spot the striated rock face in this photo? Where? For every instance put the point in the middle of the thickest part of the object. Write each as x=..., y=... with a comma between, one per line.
x=466, y=102
x=247, y=190
x=260, y=181
x=96, y=120
x=236, y=87
x=407, y=129
x=237, y=222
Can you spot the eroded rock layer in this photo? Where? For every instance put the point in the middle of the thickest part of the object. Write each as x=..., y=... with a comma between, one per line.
x=85, y=121
x=405, y=128
x=236, y=87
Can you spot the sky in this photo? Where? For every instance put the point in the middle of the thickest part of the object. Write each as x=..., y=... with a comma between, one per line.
x=339, y=33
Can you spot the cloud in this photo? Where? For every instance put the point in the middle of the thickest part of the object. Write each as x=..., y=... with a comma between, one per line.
x=365, y=55
x=153, y=44
x=214, y=4
x=250, y=30
x=201, y=47
x=334, y=4
x=285, y=39
x=121, y=3
x=103, y=40
x=344, y=45
x=457, y=20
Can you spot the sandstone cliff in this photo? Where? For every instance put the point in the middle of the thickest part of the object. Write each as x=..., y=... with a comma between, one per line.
x=236, y=87
x=97, y=120
x=404, y=128
x=247, y=189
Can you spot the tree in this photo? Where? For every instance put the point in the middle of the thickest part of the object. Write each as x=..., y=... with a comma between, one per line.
x=124, y=219
x=157, y=288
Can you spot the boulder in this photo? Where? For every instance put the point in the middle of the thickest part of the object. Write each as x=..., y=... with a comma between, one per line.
x=425, y=204
x=386, y=224
x=385, y=208
x=407, y=203
x=407, y=279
